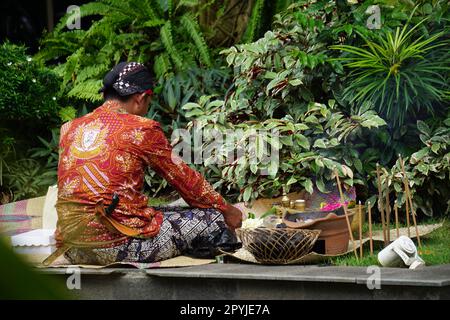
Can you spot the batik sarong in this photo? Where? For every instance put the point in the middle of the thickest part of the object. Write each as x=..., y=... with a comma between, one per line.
x=180, y=230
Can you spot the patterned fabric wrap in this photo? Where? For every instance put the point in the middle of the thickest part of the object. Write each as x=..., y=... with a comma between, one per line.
x=106, y=152
x=179, y=229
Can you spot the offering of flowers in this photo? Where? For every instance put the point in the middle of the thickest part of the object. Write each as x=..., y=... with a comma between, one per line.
x=252, y=223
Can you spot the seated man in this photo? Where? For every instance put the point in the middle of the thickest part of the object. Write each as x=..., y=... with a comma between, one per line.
x=103, y=155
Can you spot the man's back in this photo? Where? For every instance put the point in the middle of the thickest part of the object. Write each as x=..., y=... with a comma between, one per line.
x=103, y=153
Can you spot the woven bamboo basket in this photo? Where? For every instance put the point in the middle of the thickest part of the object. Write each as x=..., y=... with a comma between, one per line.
x=277, y=245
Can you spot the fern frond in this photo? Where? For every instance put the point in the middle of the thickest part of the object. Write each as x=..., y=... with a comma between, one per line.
x=87, y=90
x=92, y=71
x=140, y=10
x=166, y=39
x=157, y=7
x=59, y=69
x=71, y=65
x=144, y=53
x=107, y=25
x=129, y=7
x=188, y=59
x=148, y=10
x=154, y=23
x=188, y=3
x=192, y=28
x=52, y=52
x=120, y=4
x=170, y=7
x=129, y=39
x=162, y=65
x=61, y=46
x=125, y=30
x=255, y=22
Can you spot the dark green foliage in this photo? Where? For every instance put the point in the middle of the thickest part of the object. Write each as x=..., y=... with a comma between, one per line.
x=428, y=170
x=396, y=13
x=27, y=178
x=6, y=150
x=28, y=161
x=27, y=89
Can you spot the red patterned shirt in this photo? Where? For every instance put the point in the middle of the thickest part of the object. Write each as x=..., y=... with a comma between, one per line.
x=106, y=152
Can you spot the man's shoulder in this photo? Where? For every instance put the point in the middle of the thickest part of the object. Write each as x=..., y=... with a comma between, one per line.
x=147, y=123
x=70, y=124
x=131, y=121
x=66, y=127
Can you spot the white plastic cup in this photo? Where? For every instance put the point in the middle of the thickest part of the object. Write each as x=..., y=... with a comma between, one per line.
x=399, y=253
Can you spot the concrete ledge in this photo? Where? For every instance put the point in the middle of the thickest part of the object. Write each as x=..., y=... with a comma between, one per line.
x=245, y=281
x=436, y=276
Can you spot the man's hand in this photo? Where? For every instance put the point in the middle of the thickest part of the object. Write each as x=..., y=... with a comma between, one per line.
x=233, y=217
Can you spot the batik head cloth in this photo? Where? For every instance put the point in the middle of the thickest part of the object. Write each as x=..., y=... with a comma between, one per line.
x=128, y=78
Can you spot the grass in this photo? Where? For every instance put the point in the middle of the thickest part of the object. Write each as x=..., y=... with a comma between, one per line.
x=435, y=248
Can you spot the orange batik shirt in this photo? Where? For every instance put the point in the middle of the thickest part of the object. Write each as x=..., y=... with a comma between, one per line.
x=106, y=152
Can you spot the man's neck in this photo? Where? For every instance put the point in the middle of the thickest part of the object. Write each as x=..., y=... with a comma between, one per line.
x=117, y=106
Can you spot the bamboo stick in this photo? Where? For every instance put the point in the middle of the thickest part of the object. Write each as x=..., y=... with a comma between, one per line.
x=388, y=212
x=345, y=212
x=370, y=228
x=380, y=206
x=396, y=218
x=413, y=214
x=408, y=224
x=408, y=196
x=360, y=231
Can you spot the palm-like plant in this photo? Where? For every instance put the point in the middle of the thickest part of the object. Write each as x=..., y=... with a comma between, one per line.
x=398, y=73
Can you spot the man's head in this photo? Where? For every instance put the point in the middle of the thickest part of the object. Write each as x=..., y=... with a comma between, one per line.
x=130, y=83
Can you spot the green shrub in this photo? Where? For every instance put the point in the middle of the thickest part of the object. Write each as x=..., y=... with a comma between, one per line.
x=27, y=90
x=310, y=148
